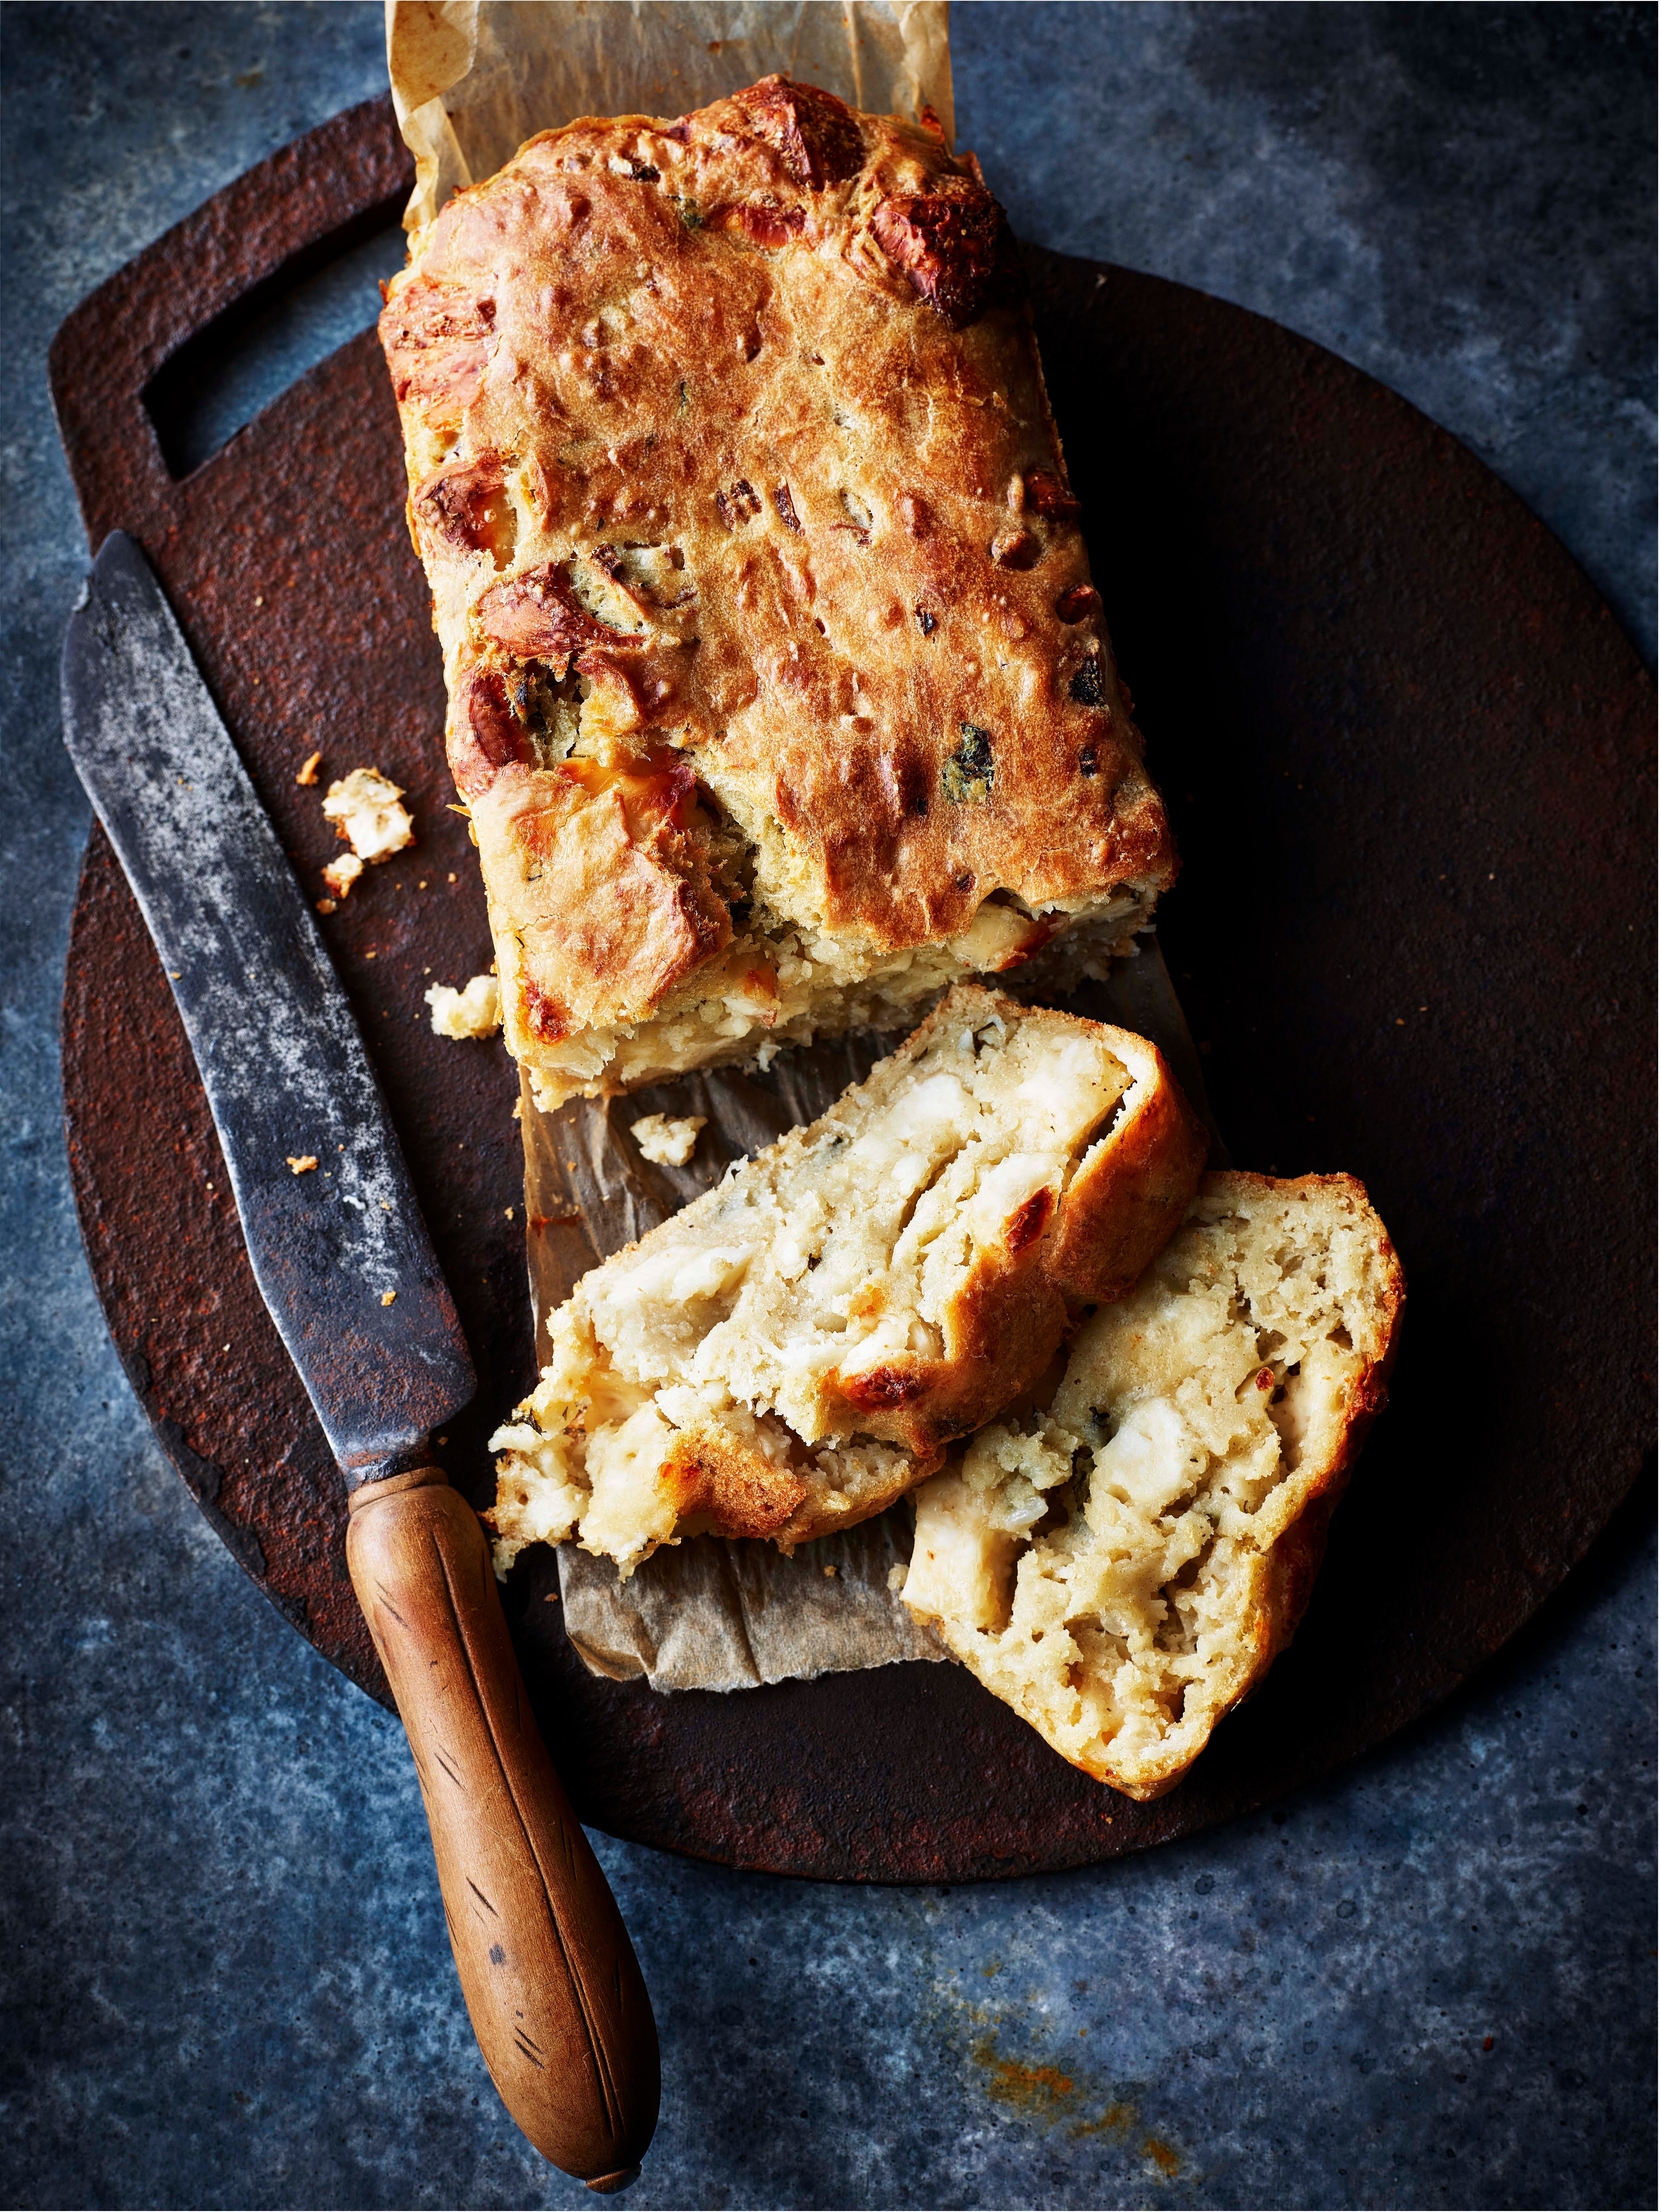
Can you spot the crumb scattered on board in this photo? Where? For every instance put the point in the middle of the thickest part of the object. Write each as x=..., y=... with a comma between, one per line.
x=301, y=1162
x=386, y=1296
x=667, y=1139
x=475, y=1010
x=367, y=810
x=340, y=875
x=307, y=774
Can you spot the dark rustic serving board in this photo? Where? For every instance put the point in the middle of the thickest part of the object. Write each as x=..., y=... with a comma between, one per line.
x=1409, y=758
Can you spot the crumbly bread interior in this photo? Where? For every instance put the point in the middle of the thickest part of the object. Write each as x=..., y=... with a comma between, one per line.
x=474, y=1010
x=792, y=1351
x=1122, y=1567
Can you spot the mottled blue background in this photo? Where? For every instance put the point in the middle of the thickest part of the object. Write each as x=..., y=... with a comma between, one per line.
x=224, y=1965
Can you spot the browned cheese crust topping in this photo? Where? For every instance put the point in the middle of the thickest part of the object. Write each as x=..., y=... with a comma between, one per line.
x=779, y=690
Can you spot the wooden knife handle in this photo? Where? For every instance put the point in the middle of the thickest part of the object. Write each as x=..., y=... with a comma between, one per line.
x=551, y=1978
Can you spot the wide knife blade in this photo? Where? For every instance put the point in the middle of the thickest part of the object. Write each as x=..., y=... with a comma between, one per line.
x=281, y=1057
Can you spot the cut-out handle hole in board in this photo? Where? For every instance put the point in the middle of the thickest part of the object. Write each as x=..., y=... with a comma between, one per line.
x=227, y=373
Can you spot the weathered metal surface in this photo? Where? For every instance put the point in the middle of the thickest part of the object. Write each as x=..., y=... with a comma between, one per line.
x=1409, y=755
x=284, y=561
x=333, y=1228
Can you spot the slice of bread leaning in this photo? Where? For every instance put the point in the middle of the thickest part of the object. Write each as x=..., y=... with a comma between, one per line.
x=797, y=1348
x=1123, y=1568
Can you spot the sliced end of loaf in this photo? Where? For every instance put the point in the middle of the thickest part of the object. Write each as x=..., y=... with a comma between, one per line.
x=1122, y=1567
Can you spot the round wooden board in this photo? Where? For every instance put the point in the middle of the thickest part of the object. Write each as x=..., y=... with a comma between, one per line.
x=1408, y=755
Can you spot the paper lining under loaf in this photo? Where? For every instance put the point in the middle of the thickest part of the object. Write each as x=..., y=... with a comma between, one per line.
x=779, y=691
x=794, y=1350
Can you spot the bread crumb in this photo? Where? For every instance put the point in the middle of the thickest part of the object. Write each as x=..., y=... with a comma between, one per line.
x=325, y=906
x=307, y=775
x=340, y=875
x=475, y=1010
x=301, y=1162
x=896, y=1577
x=830, y=1570
x=386, y=1296
x=518, y=1109
x=508, y=1210
x=365, y=808
x=667, y=1139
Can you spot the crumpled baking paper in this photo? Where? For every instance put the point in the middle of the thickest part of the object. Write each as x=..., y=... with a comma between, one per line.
x=474, y=79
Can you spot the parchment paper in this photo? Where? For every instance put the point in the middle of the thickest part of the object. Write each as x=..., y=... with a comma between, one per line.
x=471, y=80
x=474, y=79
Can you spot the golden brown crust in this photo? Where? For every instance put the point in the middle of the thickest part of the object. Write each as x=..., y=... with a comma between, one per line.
x=609, y=872
x=1128, y=1197
x=825, y=1516
x=722, y=1487
x=782, y=344
x=1001, y=1332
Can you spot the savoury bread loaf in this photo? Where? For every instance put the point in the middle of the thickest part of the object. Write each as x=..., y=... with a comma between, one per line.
x=1123, y=1568
x=780, y=694
x=797, y=1347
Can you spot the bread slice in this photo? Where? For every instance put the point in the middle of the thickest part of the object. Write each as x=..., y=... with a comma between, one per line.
x=1121, y=1569
x=797, y=1348
x=780, y=694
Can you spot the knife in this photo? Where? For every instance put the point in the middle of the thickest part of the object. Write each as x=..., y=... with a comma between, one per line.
x=349, y=1272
